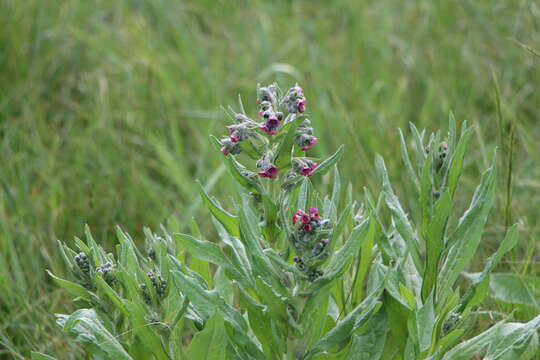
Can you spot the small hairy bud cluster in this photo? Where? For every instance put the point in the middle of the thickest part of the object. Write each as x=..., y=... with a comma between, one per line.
x=450, y=323
x=304, y=138
x=304, y=166
x=229, y=146
x=443, y=153
x=242, y=130
x=310, y=241
x=295, y=101
x=268, y=104
x=82, y=262
x=268, y=169
x=145, y=294
x=159, y=284
x=106, y=270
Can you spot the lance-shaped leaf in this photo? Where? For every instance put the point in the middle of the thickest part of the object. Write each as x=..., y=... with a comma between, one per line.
x=211, y=342
x=205, y=301
x=328, y=163
x=209, y=251
x=283, y=153
x=477, y=291
x=88, y=329
x=344, y=328
x=456, y=165
x=142, y=328
x=435, y=242
x=407, y=161
x=244, y=177
x=74, y=289
x=230, y=222
x=402, y=223
x=466, y=238
x=497, y=340
x=370, y=344
x=41, y=356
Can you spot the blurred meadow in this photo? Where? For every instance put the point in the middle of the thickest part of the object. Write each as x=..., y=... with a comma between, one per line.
x=106, y=108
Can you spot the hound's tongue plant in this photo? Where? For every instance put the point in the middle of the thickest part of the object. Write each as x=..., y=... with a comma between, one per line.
x=294, y=274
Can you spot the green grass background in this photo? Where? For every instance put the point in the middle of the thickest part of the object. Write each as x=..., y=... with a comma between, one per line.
x=106, y=107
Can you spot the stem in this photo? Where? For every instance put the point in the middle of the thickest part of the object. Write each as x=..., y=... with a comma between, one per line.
x=291, y=346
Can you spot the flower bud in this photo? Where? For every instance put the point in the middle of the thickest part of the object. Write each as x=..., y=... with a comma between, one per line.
x=82, y=262
x=230, y=147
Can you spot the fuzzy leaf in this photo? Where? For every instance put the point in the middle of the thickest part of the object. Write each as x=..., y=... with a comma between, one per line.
x=328, y=163
x=211, y=342
x=230, y=222
x=87, y=328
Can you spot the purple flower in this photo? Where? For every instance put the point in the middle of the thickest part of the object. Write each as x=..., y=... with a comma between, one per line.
x=301, y=105
x=271, y=125
x=310, y=143
x=307, y=170
x=270, y=172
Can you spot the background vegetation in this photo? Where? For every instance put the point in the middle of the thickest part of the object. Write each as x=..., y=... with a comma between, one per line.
x=106, y=107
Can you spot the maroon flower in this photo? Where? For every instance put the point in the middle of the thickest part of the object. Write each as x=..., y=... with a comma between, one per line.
x=307, y=227
x=270, y=172
x=297, y=215
x=234, y=138
x=271, y=125
x=312, y=141
x=307, y=170
x=306, y=218
x=301, y=105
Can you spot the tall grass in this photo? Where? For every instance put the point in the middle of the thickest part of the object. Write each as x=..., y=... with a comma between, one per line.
x=105, y=107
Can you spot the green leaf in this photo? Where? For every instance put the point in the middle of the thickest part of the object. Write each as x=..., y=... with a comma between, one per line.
x=515, y=289
x=111, y=294
x=370, y=343
x=477, y=291
x=456, y=164
x=364, y=262
x=283, y=153
x=425, y=319
x=142, y=328
x=466, y=238
x=208, y=251
x=211, y=342
x=72, y=288
x=344, y=328
x=407, y=161
x=229, y=221
x=88, y=329
x=435, y=242
x=41, y=356
x=329, y=162
x=402, y=223
x=205, y=301
x=498, y=339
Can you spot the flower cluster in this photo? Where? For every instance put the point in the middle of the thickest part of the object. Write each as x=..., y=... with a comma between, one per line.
x=268, y=169
x=304, y=138
x=82, y=262
x=268, y=104
x=106, y=270
x=294, y=101
x=159, y=284
x=304, y=166
x=310, y=240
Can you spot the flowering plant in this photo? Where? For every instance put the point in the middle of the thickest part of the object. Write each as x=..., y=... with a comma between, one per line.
x=298, y=275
